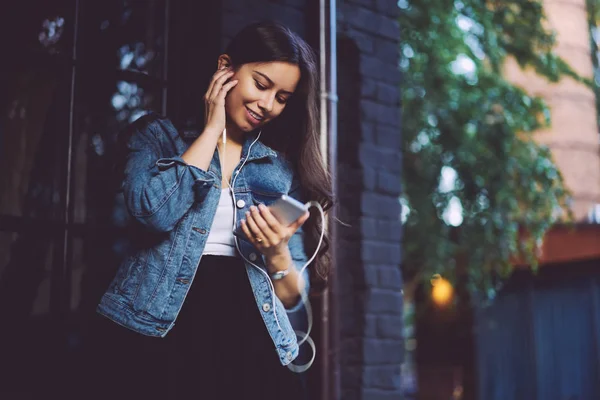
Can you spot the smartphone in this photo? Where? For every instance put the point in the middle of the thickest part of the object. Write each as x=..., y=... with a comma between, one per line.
x=286, y=209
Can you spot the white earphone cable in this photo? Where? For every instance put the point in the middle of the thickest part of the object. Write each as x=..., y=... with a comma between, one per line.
x=303, y=336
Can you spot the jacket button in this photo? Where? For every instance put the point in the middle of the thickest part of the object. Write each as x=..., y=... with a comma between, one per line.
x=241, y=203
x=252, y=256
x=266, y=307
x=199, y=230
x=289, y=355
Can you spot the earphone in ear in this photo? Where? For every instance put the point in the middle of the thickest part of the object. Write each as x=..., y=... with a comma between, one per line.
x=223, y=65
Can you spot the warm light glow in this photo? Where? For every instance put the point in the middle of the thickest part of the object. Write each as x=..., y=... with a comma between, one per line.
x=442, y=290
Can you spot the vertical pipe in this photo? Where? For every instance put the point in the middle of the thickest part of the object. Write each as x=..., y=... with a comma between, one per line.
x=596, y=327
x=328, y=103
x=165, y=74
x=325, y=350
x=66, y=250
x=334, y=331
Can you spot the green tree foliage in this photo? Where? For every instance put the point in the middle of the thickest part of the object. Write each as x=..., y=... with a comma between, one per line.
x=478, y=188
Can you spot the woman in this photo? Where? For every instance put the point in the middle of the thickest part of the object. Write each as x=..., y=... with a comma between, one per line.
x=224, y=299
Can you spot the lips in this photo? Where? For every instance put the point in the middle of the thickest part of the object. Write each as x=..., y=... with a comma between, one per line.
x=253, y=117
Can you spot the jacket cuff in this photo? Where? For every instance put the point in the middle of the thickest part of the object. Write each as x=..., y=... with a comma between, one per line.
x=197, y=173
x=202, y=179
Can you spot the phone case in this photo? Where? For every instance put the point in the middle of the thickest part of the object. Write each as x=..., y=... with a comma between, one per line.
x=286, y=209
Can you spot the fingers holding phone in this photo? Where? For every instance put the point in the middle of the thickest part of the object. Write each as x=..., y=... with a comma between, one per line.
x=266, y=233
x=269, y=229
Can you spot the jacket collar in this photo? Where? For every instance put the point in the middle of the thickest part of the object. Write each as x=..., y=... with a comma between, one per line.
x=258, y=150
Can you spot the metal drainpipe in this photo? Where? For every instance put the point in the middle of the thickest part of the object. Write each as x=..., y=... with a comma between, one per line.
x=328, y=87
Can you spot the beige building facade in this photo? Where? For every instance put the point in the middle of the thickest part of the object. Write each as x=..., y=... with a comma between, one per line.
x=573, y=136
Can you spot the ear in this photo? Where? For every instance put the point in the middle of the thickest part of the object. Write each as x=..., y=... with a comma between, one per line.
x=223, y=61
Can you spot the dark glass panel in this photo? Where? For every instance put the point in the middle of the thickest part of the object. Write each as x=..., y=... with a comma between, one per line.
x=28, y=335
x=114, y=88
x=35, y=84
x=105, y=109
x=33, y=137
x=36, y=30
x=110, y=95
x=123, y=35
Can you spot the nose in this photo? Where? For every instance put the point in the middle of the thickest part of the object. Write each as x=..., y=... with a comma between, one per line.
x=266, y=102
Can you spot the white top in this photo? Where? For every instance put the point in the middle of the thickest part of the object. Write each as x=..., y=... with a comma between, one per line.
x=220, y=240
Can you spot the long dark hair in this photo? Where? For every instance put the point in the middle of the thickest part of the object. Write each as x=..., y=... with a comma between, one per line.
x=295, y=132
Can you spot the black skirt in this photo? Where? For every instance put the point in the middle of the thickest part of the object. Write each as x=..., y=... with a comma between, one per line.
x=219, y=347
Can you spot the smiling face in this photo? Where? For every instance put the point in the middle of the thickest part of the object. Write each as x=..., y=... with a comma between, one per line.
x=261, y=94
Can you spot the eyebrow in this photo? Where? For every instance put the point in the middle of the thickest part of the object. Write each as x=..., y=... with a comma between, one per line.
x=270, y=81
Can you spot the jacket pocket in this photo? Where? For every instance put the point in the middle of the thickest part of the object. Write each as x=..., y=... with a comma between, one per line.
x=266, y=198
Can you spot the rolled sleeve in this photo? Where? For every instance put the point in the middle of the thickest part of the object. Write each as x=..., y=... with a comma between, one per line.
x=158, y=190
x=197, y=174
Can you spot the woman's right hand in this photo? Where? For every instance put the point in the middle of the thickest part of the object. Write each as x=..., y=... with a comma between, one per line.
x=214, y=100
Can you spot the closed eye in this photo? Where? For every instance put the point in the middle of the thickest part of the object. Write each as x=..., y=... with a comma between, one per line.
x=260, y=86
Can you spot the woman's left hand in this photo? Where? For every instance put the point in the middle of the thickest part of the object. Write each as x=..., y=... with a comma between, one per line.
x=266, y=233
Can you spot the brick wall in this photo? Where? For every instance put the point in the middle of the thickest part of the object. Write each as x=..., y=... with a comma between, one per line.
x=369, y=186
x=370, y=281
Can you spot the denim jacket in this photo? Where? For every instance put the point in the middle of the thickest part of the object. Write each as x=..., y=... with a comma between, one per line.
x=177, y=203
